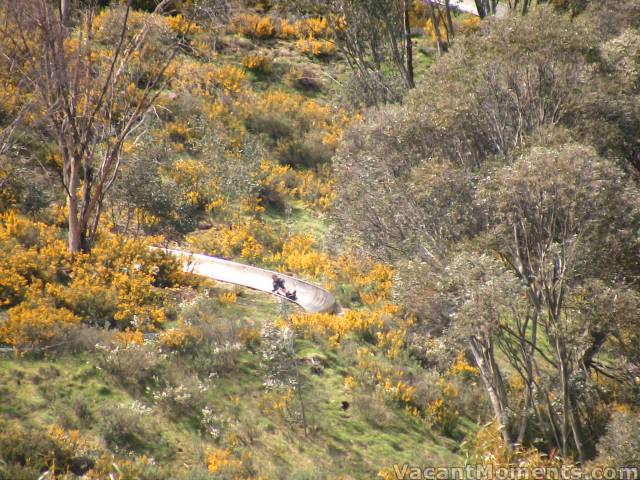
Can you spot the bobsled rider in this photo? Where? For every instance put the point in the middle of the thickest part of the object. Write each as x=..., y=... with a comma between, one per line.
x=279, y=288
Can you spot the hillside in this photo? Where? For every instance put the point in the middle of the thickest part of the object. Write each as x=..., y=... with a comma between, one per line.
x=466, y=187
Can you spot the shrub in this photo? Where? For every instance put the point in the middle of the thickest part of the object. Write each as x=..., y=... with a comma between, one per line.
x=307, y=153
x=123, y=467
x=257, y=62
x=107, y=26
x=620, y=445
x=41, y=450
x=244, y=237
x=303, y=79
x=221, y=463
x=222, y=339
x=316, y=48
x=288, y=31
x=132, y=364
x=36, y=324
x=314, y=27
x=275, y=125
x=31, y=253
x=181, y=26
x=182, y=396
x=228, y=79
x=184, y=338
x=228, y=298
x=299, y=255
x=334, y=327
x=117, y=283
x=373, y=408
x=276, y=182
x=124, y=429
x=253, y=26
x=83, y=338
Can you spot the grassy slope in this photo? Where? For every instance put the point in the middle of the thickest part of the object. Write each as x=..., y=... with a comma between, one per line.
x=354, y=444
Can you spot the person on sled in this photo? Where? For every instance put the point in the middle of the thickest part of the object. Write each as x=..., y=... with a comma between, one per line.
x=280, y=289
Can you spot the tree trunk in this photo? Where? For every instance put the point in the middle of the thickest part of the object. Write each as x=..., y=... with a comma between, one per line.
x=409, y=45
x=494, y=385
x=436, y=29
x=64, y=11
x=481, y=9
x=75, y=231
x=450, y=28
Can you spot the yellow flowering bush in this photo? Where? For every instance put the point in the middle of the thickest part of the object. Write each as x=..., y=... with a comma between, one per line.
x=228, y=78
x=29, y=252
x=392, y=381
x=118, y=283
x=105, y=24
x=181, y=26
x=392, y=341
x=366, y=281
x=316, y=48
x=249, y=336
x=129, y=337
x=221, y=461
x=275, y=402
x=298, y=255
x=388, y=473
x=288, y=30
x=314, y=190
x=109, y=466
x=461, y=367
x=281, y=182
x=468, y=23
x=313, y=27
x=39, y=449
x=258, y=62
x=178, y=131
x=335, y=327
x=350, y=383
x=35, y=324
x=245, y=237
x=253, y=26
x=430, y=30
x=198, y=188
x=487, y=447
x=228, y=298
x=442, y=411
x=182, y=338
x=309, y=115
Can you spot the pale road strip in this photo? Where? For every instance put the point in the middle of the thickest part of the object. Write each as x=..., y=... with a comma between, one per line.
x=310, y=297
x=469, y=6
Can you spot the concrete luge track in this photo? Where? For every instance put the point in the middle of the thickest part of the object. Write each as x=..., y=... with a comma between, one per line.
x=310, y=297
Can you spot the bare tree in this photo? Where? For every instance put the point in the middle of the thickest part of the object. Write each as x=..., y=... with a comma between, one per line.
x=90, y=103
x=375, y=35
x=213, y=15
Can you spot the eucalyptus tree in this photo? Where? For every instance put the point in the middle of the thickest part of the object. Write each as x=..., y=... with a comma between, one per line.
x=498, y=194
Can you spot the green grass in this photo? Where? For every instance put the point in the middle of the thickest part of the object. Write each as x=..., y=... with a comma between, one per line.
x=43, y=392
